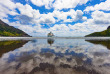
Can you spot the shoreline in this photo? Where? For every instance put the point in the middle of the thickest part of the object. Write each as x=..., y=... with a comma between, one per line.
x=32, y=38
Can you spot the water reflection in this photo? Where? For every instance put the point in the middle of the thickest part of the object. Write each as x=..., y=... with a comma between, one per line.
x=6, y=46
x=65, y=56
x=50, y=41
x=105, y=43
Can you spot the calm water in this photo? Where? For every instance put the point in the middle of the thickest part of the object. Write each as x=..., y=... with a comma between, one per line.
x=55, y=56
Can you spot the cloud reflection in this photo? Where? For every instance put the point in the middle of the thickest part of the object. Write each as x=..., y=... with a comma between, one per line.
x=64, y=56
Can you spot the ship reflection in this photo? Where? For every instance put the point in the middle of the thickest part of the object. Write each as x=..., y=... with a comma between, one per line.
x=50, y=41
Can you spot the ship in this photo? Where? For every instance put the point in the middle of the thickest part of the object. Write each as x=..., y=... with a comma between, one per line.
x=50, y=34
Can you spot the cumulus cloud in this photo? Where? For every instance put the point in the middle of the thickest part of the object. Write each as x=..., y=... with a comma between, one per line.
x=79, y=14
x=100, y=18
x=90, y=25
x=102, y=6
x=84, y=18
x=33, y=20
x=27, y=10
x=98, y=22
x=27, y=13
x=49, y=18
x=46, y=3
x=59, y=4
x=7, y=7
x=46, y=19
x=8, y=4
x=23, y=19
x=65, y=4
x=78, y=29
x=75, y=15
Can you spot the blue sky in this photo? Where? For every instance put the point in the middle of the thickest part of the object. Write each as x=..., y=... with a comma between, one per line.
x=62, y=17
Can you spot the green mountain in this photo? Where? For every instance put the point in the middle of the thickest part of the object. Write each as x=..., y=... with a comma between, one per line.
x=105, y=33
x=6, y=30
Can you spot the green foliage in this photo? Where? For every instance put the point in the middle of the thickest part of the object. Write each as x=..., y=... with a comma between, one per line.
x=4, y=33
x=105, y=33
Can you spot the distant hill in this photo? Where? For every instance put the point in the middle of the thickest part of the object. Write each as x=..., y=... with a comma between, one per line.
x=6, y=30
x=105, y=33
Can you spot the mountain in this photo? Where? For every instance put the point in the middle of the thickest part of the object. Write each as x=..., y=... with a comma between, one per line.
x=105, y=33
x=6, y=30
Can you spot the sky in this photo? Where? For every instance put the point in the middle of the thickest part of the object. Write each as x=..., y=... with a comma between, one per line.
x=64, y=18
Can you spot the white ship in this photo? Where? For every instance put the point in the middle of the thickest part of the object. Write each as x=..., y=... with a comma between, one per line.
x=50, y=34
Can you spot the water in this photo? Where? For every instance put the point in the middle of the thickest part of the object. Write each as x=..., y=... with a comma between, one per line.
x=55, y=56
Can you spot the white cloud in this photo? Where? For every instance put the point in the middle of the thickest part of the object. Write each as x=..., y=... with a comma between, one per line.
x=8, y=4
x=33, y=15
x=46, y=3
x=30, y=20
x=102, y=6
x=79, y=14
x=27, y=13
x=84, y=18
x=81, y=29
x=101, y=18
x=49, y=18
x=27, y=10
x=78, y=29
x=59, y=4
x=65, y=4
x=7, y=7
x=46, y=19
x=75, y=15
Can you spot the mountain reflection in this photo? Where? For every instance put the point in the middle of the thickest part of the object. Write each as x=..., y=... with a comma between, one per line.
x=105, y=43
x=6, y=46
x=65, y=56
